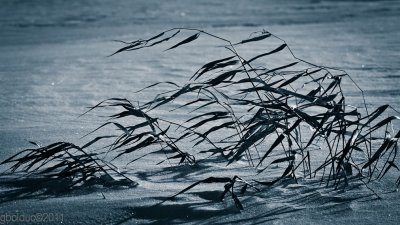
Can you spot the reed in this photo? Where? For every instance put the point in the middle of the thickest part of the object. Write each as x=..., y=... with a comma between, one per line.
x=283, y=115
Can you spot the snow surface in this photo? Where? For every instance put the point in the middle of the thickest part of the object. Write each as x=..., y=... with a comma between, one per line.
x=54, y=65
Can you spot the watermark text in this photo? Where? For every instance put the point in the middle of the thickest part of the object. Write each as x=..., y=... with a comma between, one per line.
x=13, y=218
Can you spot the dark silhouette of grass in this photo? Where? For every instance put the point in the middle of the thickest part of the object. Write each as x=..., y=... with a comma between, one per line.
x=295, y=109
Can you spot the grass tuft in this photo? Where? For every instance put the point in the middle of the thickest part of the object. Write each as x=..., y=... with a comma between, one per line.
x=290, y=114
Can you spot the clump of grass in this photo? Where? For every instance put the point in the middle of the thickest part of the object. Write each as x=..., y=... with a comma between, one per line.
x=63, y=160
x=267, y=115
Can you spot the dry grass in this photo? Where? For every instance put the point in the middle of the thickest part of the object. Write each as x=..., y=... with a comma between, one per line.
x=285, y=114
